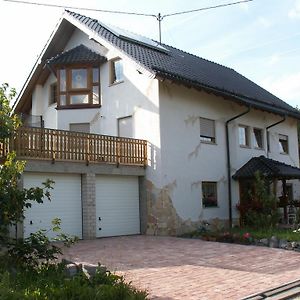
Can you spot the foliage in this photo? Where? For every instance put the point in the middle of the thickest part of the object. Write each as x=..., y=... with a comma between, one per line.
x=259, y=210
x=52, y=282
x=8, y=123
x=37, y=249
x=13, y=199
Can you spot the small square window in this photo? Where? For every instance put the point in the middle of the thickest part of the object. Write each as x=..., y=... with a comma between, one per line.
x=209, y=194
x=116, y=71
x=258, y=138
x=283, y=144
x=244, y=136
x=207, y=130
x=53, y=93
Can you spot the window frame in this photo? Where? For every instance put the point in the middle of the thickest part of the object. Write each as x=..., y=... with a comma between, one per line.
x=280, y=144
x=112, y=71
x=70, y=91
x=205, y=139
x=53, y=97
x=262, y=147
x=247, y=136
x=215, y=188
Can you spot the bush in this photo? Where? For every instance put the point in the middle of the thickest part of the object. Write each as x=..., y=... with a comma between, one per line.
x=52, y=282
x=259, y=209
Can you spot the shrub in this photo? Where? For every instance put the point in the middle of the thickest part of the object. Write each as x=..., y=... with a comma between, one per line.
x=259, y=210
x=51, y=282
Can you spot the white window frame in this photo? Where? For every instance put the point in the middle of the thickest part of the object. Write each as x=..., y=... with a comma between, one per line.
x=247, y=136
x=283, y=137
x=255, y=140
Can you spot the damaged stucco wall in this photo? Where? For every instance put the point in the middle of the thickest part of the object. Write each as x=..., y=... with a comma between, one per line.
x=176, y=201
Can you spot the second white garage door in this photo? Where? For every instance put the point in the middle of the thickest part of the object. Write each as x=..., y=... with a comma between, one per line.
x=117, y=205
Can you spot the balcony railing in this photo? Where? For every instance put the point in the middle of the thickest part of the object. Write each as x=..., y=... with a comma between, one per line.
x=61, y=145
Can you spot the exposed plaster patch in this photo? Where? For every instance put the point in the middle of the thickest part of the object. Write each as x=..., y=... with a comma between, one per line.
x=195, y=152
x=196, y=184
x=191, y=120
x=163, y=218
x=95, y=118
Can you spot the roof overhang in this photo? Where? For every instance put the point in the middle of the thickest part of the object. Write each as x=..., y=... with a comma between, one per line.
x=240, y=99
x=269, y=168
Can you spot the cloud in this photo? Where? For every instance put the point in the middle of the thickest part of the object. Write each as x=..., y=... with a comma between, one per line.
x=294, y=13
x=286, y=87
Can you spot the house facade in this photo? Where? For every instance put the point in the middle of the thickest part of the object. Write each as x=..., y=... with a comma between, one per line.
x=177, y=128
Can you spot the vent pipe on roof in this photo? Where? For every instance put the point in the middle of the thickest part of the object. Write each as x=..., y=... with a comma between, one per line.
x=229, y=164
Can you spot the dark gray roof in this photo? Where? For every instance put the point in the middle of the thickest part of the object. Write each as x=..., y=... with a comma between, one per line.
x=192, y=71
x=79, y=54
x=268, y=167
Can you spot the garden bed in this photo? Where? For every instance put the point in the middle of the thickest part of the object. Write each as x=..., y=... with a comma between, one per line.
x=288, y=239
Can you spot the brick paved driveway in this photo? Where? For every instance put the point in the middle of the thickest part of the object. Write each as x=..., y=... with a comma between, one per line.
x=174, y=268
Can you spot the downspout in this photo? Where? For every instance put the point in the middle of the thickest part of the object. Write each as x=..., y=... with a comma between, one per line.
x=229, y=163
x=267, y=130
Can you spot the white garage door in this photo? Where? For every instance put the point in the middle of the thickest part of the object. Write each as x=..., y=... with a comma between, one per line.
x=117, y=205
x=65, y=204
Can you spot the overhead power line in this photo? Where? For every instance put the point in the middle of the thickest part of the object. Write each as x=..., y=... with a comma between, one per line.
x=159, y=17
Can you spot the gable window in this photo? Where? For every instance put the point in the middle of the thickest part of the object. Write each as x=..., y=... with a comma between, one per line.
x=79, y=86
x=283, y=144
x=258, y=138
x=207, y=130
x=244, y=136
x=116, y=71
x=53, y=93
x=209, y=194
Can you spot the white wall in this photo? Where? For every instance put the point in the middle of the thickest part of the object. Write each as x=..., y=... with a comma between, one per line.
x=136, y=96
x=188, y=162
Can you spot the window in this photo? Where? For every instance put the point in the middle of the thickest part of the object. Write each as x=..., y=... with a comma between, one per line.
x=209, y=194
x=207, y=130
x=258, y=138
x=80, y=127
x=244, y=136
x=268, y=141
x=125, y=127
x=116, y=71
x=53, y=93
x=79, y=86
x=283, y=144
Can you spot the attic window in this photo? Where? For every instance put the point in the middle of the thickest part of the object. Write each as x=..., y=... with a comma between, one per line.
x=78, y=87
x=116, y=71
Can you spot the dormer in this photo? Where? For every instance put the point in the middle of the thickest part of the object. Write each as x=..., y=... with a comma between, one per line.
x=78, y=78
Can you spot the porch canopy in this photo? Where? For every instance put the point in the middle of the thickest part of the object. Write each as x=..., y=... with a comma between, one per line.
x=269, y=168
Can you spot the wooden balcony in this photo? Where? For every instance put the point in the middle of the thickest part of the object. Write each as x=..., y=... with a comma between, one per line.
x=59, y=145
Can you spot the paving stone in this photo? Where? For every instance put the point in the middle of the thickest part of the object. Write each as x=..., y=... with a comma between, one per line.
x=175, y=268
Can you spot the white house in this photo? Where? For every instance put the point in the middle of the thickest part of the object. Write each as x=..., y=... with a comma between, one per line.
x=95, y=86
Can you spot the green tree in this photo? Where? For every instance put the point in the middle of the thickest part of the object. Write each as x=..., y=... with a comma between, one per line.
x=13, y=200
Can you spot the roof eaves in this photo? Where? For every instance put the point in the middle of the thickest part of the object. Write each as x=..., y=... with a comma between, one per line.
x=255, y=103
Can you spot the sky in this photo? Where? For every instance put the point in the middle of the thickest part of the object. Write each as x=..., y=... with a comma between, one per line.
x=259, y=39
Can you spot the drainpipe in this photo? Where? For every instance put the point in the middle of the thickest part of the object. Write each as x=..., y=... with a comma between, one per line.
x=229, y=163
x=267, y=130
